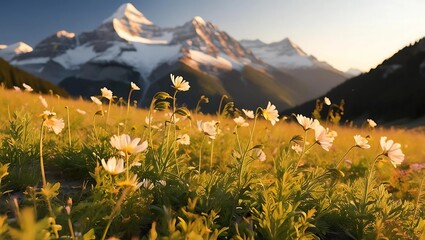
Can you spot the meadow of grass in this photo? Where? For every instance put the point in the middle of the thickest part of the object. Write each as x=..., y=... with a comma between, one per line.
x=106, y=172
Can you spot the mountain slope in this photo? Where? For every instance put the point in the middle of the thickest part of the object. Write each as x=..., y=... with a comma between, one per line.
x=393, y=90
x=11, y=76
x=290, y=58
x=128, y=47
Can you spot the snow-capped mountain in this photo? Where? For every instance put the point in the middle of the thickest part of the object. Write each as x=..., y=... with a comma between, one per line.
x=289, y=57
x=208, y=47
x=283, y=54
x=127, y=47
x=7, y=52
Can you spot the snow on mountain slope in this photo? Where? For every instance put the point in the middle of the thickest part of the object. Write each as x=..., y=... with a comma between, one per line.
x=8, y=52
x=288, y=57
x=142, y=57
x=65, y=34
x=206, y=48
x=52, y=46
x=128, y=47
x=128, y=38
x=283, y=54
x=210, y=61
x=129, y=12
x=130, y=24
x=29, y=61
x=73, y=58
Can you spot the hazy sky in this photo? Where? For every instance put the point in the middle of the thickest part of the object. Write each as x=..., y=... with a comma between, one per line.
x=345, y=33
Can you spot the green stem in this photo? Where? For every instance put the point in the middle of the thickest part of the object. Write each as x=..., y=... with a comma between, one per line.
x=366, y=191
x=127, y=167
x=303, y=151
x=71, y=229
x=94, y=128
x=109, y=110
x=342, y=159
x=150, y=122
x=418, y=198
x=69, y=127
x=212, y=152
x=219, y=106
x=43, y=176
x=128, y=109
x=114, y=211
x=200, y=153
x=248, y=145
x=173, y=120
x=237, y=139
x=197, y=105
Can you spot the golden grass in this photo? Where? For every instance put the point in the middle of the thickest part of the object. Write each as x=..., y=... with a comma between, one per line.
x=273, y=137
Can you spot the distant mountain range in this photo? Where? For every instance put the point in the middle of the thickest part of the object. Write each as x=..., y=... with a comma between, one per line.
x=393, y=91
x=129, y=47
x=290, y=58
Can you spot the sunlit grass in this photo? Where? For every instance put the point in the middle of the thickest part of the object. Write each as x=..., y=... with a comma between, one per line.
x=169, y=172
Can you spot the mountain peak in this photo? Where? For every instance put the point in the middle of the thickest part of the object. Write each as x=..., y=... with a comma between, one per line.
x=199, y=20
x=8, y=52
x=289, y=47
x=63, y=33
x=131, y=25
x=130, y=13
x=20, y=47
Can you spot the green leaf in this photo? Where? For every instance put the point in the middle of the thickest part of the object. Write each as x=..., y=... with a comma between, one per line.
x=89, y=235
x=161, y=106
x=162, y=96
x=183, y=111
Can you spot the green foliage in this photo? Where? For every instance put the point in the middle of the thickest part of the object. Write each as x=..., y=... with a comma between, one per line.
x=19, y=149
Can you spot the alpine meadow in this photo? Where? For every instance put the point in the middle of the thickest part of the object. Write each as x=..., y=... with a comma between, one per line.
x=73, y=169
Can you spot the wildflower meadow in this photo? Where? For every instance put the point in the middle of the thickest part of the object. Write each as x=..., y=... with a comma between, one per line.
x=105, y=169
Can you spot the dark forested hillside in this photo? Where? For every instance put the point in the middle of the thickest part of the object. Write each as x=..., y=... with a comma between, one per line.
x=11, y=76
x=393, y=90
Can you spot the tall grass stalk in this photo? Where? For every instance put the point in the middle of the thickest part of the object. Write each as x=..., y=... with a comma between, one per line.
x=247, y=148
x=200, y=154
x=342, y=158
x=109, y=110
x=173, y=120
x=43, y=178
x=43, y=175
x=115, y=210
x=128, y=108
x=212, y=153
x=220, y=106
x=238, y=140
x=418, y=198
x=69, y=126
x=94, y=127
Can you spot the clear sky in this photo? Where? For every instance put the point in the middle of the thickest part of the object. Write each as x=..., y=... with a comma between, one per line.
x=345, y=33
